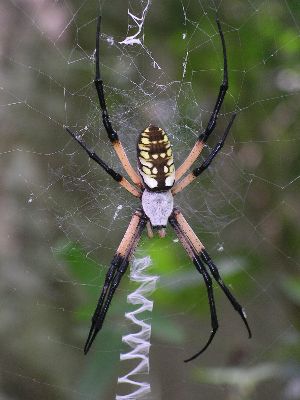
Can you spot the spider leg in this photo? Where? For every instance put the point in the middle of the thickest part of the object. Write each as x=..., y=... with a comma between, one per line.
x=115, y=175
x=213, y=313
x=206, y=163
x=111, y=133
x=198, y=147
x=96, y=326
x=183, y=228
x=222, y=92
x=215, y=273
x=115, y=273
x=149, y=230
x=207, y=280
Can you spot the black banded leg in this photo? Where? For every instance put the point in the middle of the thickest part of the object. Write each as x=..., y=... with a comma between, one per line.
x=206, y=163
x=200, y=250
x=97, y=319
x=215, y=273
x=115, y=175
x=195, y=249
x=111, y=133
x=115, y=273
x=199, y=145
x=207, y=280
x=102, y=307
x=222, y=92
x=213, y=313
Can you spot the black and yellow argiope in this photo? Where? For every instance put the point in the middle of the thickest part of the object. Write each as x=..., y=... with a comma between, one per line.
x=155, y=185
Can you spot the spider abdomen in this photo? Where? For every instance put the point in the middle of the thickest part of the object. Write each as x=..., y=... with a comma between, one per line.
x=155, y=159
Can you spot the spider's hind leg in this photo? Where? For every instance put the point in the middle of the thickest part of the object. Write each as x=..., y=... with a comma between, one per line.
x=115, y=273
x=201, y=251
x=183, y=237
x=198, y=254
x=215, y=273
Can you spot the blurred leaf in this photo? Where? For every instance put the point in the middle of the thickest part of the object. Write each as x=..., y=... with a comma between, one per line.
x=102, y=363
x=243, y=381
x=82, y=267
x=289, y=41
x=239, y=376
x=291, y=288
x=168, y=330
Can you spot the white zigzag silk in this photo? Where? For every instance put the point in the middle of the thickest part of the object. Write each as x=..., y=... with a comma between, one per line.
x=139, y=341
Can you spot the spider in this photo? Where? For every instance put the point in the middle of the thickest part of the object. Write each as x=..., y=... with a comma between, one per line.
x=155, y=185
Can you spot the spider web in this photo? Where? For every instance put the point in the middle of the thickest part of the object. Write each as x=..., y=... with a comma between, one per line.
x=162, y=63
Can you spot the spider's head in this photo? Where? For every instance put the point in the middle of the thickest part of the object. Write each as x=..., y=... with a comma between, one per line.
x=155, y=159
x=158, y=207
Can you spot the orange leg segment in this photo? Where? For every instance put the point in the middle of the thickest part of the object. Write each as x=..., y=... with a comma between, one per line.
x=189, y=161
x=119, y=149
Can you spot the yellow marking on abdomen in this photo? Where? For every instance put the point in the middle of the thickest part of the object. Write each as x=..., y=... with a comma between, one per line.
x=145, y=140
x=146, y=170
x=146, y=163
x=142, y=147
x=145, y=155
x=169, y=152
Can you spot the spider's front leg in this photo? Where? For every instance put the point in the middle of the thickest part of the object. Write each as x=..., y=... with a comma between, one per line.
x=203, y=137
x=199, y=256
x=111, y=133
x=115, y=273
